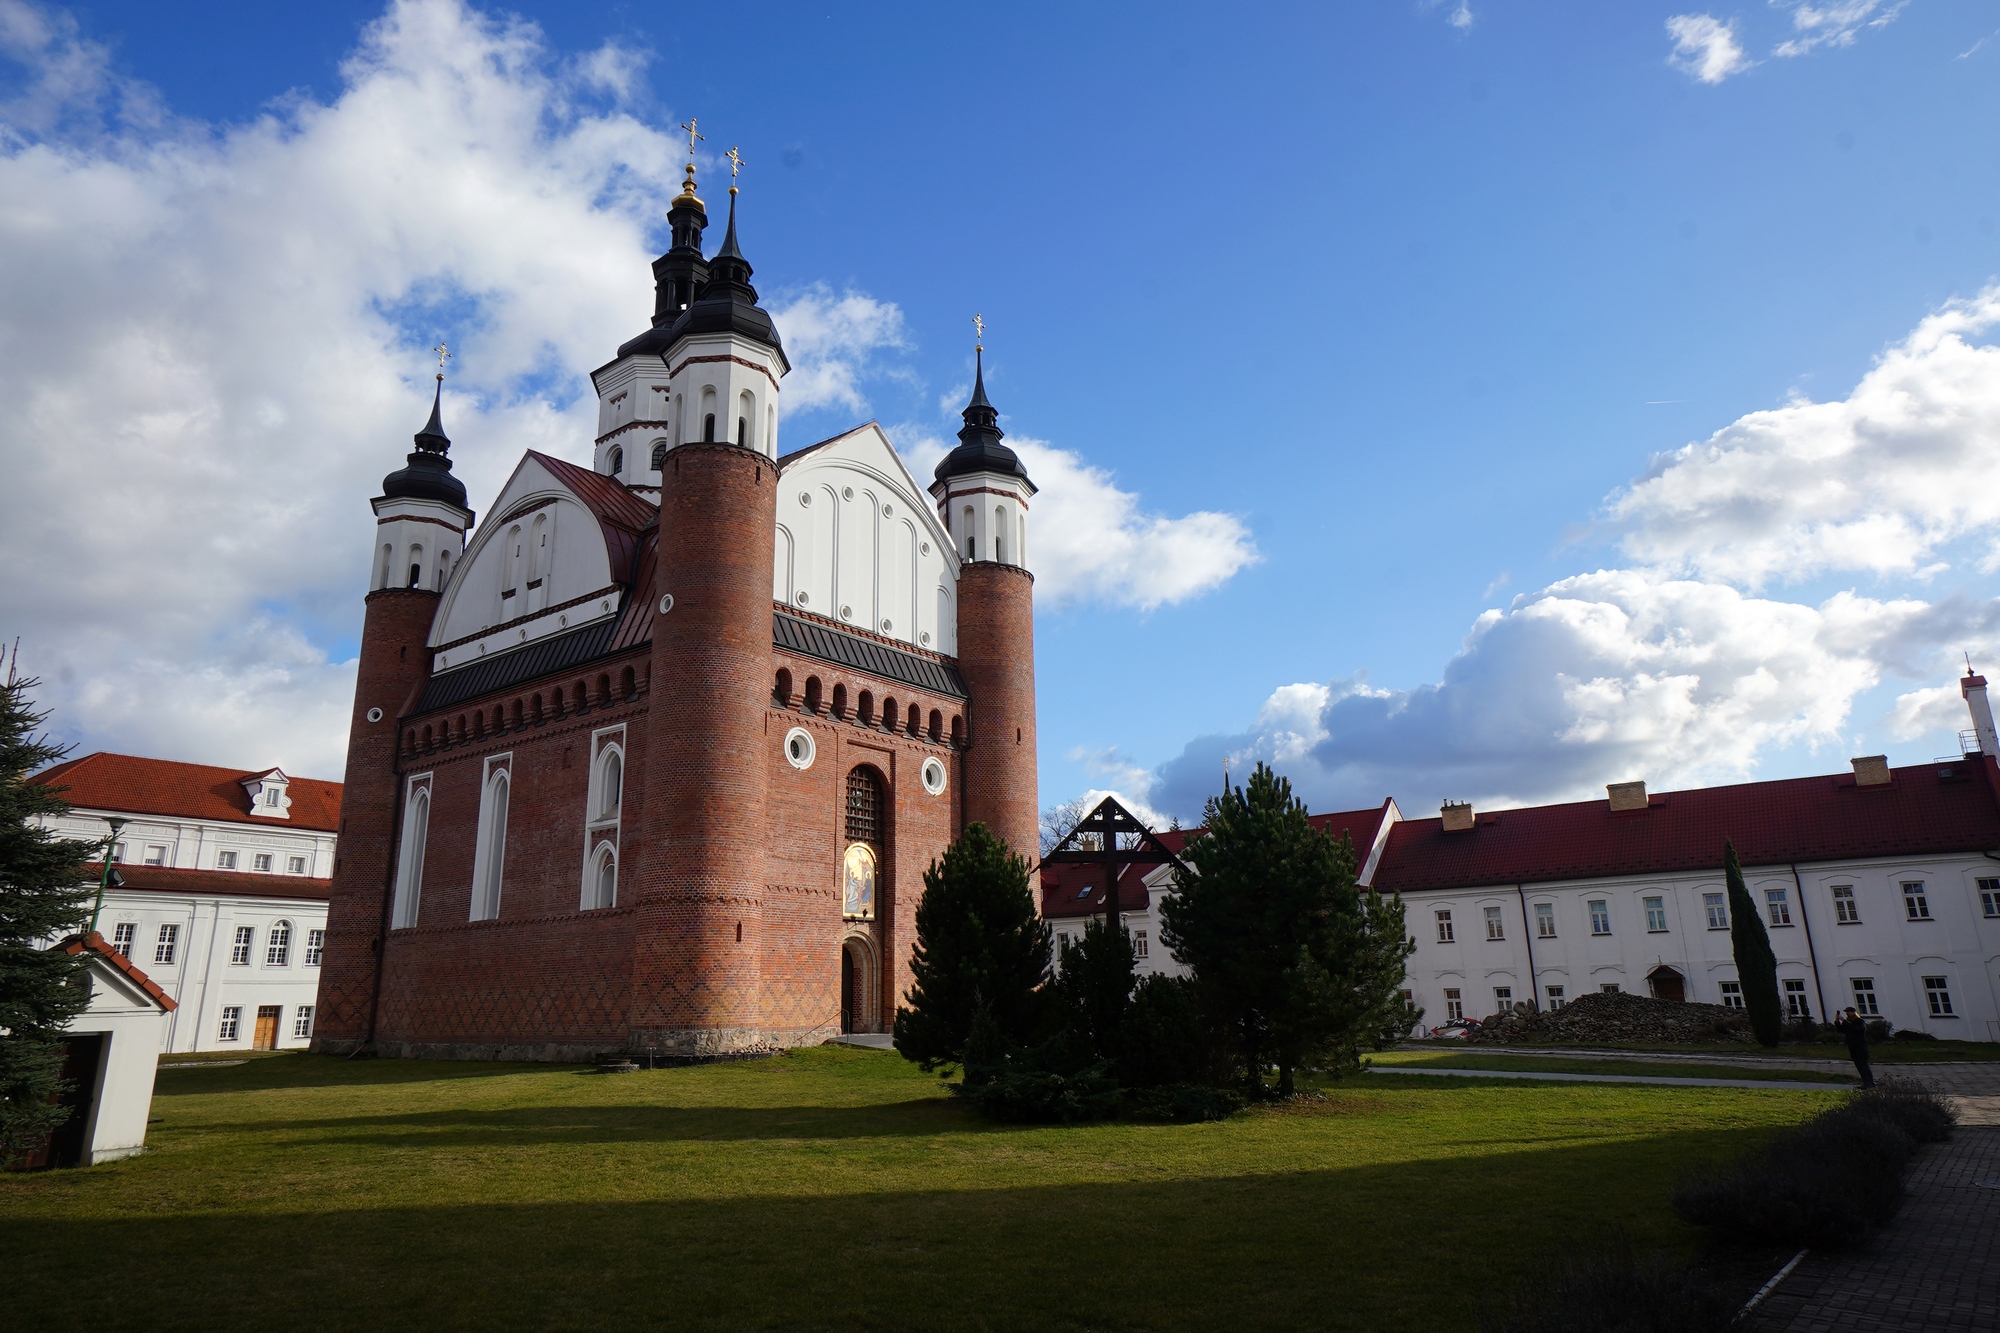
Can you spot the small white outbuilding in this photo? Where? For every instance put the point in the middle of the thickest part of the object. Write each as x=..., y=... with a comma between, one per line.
x=113, y=1053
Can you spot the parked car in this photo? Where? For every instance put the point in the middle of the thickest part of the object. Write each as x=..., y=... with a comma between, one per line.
x=1457, y=1029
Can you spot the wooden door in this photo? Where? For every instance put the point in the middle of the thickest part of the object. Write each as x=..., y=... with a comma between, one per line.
x=266, y=1038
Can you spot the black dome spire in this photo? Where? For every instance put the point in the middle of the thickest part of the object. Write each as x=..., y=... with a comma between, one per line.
x=728, y=303
x=979, y=448
x=428, y=474
x=679, y=273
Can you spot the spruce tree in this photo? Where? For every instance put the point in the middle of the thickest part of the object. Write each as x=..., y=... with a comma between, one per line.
x=1756, y=965
x=982, y=950
x=42, y=898
x=1093, y=987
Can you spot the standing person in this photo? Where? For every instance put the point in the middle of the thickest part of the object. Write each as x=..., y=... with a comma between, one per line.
x=1856, y=1031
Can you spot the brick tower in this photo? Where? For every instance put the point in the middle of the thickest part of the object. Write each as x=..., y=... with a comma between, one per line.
x=699, y=899
x=421, y=519
x=982, y=494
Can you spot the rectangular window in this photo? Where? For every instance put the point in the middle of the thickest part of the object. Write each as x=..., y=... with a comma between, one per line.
x=225, y=860
x=316, y=946
x=1503, y=999
x=302, y=1021
x=1778, y=903
x=121, y=938
x=156, y=856
x=1717, y=908
x=1495, y=928
x=1916, y=903
x=1555, y=996
x=1609, y=988
x=1846, y=911
x=1139, y=944
x=1545, y=920
x=239, y=952
x=1732, y=995
x=1939, y=994
x=1454, y=1007
x=1409, y=998
x=118, y=853
x=278, y=951
x=1600, y=917
x=1864, y=995
x=163, y=950
x=295, y=865
x=232, y=1019
x=1989, y=896
x=1795, y=999
x=1656, y=916
x=1444, y=925
x=262, y=861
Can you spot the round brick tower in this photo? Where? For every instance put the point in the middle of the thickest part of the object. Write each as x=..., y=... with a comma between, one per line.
x=982, y=492
x=697, y=976
x=421, y=518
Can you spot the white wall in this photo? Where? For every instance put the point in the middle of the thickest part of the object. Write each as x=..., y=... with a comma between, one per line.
x=130, y=1023
x=199, y=844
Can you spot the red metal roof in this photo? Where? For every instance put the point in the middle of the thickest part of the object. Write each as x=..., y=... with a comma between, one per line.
x=95, y=943
x=623, y=515
x=130, y=784
x=1924, y=809
x=218, y=883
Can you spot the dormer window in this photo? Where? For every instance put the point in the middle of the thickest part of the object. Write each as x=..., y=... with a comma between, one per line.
x=267, y=795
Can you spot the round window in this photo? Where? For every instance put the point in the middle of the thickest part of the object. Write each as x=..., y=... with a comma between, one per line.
x=374, y=715
x=933, y=775
x=799, y=748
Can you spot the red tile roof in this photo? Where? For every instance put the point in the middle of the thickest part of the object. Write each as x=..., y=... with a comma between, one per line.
x=218, y=883
x=95, y=943
x=130, y=784
x=1924, y=809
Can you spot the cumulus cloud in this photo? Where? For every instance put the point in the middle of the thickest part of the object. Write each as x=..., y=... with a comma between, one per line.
x=1705, y=47
x=1459, y=14
x=1881, y=481
x=1090, y=540
x=832, y=341
x=1833, y=24
x=1676, y=670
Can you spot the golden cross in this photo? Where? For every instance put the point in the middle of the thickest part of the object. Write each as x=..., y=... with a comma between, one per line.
x=443, y=351
x=689, y=125
x=735, y=162
x=979, y=331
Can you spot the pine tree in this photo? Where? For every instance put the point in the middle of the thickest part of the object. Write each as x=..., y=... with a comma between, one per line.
x=1756, y=965
x=40, y=899
x=1093, y=987
x=981, y=948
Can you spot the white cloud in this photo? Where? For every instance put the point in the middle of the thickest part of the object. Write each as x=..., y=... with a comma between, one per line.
x=1090, y=541
x=1460, y=16
x=1705, y=47
x=1131, y=784
x=832, y=341
x=1836, y=23
x=1878, y=482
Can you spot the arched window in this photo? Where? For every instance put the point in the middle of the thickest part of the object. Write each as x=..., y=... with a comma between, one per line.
x=812, y=694
x=429, y=744
x=610, y=784
x=891, y=715
x=1000, y=534
x=771, y=430
x=865, y=714
x=556, y=702
x=617, y=461
x=535, y=710
x=971, y=542
x=512, y=582
x=743, y=432
x=444, y=568
x=957, y=729
x=628, y=684
x=864, y=806
x=604, y=689
x=492, y=854
x=604, y=882
x=659, y=454
x=416, y=566
x=582, y=697
x=915, y=724
x=708, y=428
x=937, y=725
x=410, y=866
x=388, y=566
x=840, y=702
x=746, y=412
x=782, y=690
x=278, y=946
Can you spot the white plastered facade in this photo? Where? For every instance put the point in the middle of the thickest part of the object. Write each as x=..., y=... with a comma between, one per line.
x=130, y=1022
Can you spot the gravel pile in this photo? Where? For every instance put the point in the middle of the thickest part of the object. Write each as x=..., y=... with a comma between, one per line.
x=1605, y=1016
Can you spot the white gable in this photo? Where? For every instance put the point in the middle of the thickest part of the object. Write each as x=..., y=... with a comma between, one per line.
x=541, y=549
x=859, y=542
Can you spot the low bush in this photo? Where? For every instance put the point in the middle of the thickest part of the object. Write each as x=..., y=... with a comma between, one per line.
x=1056, y=1083
x=1189, y=1103
x=1879, y=1029
x=1616, y=1292
x=1826, y=1183
x=1911, y=1034
x=1805, y=1030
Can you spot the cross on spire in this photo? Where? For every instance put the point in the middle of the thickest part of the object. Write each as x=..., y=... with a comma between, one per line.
x=735, y=162
x=978, y=331
x=689, y=125
x=443, y=351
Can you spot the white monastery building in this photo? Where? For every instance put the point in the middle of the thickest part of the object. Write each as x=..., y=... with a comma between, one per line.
x=1879, y=887
x=225, y=889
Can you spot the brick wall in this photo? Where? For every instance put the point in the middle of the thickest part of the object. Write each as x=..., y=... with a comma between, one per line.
x=996, y=655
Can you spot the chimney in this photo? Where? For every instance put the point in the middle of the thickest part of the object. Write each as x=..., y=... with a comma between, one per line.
x=1871, y=770
x=1627, y=795
x=1974, y=689
x=1457, y=816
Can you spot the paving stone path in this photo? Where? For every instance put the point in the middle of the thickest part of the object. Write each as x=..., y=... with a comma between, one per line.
x=1934, y=1268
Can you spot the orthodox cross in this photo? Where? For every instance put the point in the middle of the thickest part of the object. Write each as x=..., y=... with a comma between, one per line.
x=443, y=351
x=735, y=162
x=978, y=331
x=1096, y=839
x=689, y=125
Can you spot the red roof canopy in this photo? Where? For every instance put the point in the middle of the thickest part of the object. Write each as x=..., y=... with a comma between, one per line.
x=95, y=943
x=218, y=883
x=130, y=784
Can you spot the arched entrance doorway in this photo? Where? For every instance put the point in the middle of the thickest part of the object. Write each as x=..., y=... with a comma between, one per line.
x=846, y=989
x=858, y=985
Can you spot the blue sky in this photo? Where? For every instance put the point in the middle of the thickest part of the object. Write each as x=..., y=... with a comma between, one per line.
x=1411, y=291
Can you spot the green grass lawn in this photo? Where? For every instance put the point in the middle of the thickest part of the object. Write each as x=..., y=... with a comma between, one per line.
x=1583, y=1064
x=836, y=1189
x=1879, y=1052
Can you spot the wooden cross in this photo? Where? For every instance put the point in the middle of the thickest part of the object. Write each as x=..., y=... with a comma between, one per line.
x=735, y=162
x=689, y=125
x=979, y=331
x=443, y=351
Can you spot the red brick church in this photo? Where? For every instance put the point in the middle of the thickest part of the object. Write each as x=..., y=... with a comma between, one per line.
x=656, y=756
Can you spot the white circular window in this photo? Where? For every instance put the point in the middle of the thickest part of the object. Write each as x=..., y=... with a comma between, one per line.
x=933, y=775
x=803, y=599
x=805, y=499
x=666, y=603
x=374, y=715
x=925, y=638
x=888, y=511
x=847, y=613
x=888, y=626
x=847, y=492
x=799, y=748
x=927, y=548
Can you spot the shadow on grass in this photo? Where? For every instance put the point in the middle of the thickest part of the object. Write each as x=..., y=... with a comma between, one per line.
x=1408, y=1245
x=303, y=1069
x=519, y=1126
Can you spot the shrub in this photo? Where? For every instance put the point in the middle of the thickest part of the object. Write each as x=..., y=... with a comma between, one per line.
x=1803, y=1030
x=1615, y=1292
x=1164, y=1040
x=1190, y=1103
x=1056, y=1083
x=1911, y=1034
x=1827, y=1182
x=1879, y=1029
